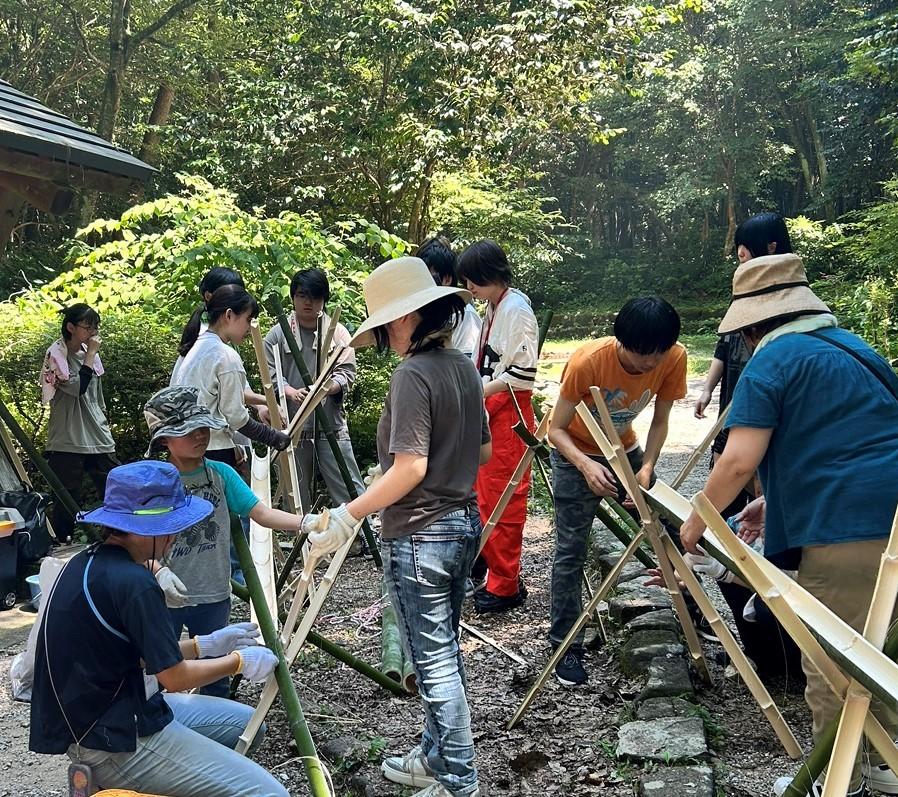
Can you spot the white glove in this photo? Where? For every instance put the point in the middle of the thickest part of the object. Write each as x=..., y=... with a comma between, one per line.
x=226, y=640
x=257, y=663
x=175, y=592
x=707, y=566
x=374, y=473
x=330, y=530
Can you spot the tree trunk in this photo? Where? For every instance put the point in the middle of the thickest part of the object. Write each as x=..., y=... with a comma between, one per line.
x=820, y=162
x=149, y=149
x=729, y=178
x=417, y=220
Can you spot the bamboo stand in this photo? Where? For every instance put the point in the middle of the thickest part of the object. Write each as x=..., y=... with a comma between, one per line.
x=700, y=449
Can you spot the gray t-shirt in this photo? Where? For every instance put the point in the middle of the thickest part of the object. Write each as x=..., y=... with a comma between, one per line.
x=78, y=423
x=200, y=555
x=434, y=407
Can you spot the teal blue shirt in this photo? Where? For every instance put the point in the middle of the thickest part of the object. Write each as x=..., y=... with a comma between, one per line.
x=830, y=473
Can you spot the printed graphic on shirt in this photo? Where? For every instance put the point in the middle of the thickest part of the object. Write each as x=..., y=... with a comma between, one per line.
x=622, y=414
x=491, y=359
x=204, y=535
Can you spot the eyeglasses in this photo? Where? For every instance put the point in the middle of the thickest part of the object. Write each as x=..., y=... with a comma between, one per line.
x=88, y=327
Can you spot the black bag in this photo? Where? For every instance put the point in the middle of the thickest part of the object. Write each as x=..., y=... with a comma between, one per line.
x=34, y=540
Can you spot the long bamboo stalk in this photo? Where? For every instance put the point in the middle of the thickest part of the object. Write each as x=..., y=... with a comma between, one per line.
x=613, y=451
x=261, y=539
x=614, y=525
x=297, y=641
x=390, y=644
x=493, y=643
x=324, y=425
x=544, y=324
x=700, y=449
x=284, y=682
x=600, y=594
x=334, y=650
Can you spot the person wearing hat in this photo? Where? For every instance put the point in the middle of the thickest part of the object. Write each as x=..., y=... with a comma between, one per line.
x=432, y=437
x=815, y=411
x=105, y=626
x=196, y=577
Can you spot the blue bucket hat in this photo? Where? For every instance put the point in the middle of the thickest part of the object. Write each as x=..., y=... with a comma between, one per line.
x=147, y=498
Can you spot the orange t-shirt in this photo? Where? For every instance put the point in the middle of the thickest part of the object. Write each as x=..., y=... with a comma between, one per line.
x=626, y=395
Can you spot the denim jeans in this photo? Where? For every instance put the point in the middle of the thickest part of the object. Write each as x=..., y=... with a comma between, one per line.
x=425, y=577
x=575, y=510
x=189, y=757
x=204, y=618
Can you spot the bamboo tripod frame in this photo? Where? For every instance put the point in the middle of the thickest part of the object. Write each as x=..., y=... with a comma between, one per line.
x=700, y=449
x=805, y=619
x=670, y=560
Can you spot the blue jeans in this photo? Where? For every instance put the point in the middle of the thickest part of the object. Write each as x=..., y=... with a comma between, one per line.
x=204, y=618
x=575, y=510
x=189, y=757
x=425, y=576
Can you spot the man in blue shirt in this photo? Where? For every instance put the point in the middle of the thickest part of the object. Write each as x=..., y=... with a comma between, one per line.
x=816, y=413
x=105, y=624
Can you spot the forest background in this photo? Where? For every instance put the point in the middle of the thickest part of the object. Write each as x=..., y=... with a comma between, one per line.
x=611, y=147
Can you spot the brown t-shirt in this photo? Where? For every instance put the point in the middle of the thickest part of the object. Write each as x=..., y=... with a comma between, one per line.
x=434, y=407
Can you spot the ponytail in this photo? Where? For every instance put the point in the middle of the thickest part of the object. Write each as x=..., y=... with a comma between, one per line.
x=227, y=297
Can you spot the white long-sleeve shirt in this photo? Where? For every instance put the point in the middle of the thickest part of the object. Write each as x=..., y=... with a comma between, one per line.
x=508, y=342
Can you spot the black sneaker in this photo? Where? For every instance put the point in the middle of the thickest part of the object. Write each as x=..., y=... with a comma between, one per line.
x=485, y=602
x=569, y=671
x=704, y=630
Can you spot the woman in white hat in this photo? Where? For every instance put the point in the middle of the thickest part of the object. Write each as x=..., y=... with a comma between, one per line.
x=815, y=411
x=432, y=437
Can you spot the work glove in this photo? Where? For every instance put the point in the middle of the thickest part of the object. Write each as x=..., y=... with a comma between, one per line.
x=226, y=640
x=707, y=566
x=374, y=473
x=256, y=663
x=330, y=530
x=176, y=595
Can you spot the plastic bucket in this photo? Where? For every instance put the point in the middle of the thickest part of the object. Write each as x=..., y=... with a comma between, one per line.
x=34, y=585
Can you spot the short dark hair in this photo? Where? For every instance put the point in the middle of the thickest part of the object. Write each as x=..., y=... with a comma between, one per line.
x=75, y=314
x=484, y=263
x=647, y=325
x=216, y=277
x=439, y=319
x=758, y=232
x=437, y=254
x=312, y=282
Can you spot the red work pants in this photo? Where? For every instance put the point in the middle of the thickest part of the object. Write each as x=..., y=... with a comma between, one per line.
x=502, y=551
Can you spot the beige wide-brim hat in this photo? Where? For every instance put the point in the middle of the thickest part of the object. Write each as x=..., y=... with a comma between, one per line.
x=397, y=288
x=769, y=287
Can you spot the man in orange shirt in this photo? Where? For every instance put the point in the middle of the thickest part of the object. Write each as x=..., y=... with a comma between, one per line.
x=643, y=360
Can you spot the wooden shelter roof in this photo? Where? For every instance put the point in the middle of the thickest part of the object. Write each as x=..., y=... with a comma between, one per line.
x=38, y=142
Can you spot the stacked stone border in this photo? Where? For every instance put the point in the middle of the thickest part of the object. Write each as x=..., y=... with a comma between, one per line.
x=668, y=735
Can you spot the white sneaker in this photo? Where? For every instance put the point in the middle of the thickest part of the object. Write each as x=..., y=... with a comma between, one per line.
x=409, y=770
x=880, y=778
x=439, y=790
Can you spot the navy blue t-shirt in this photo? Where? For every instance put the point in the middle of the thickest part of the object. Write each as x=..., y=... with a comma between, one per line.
x=830, y=473
x=96, y=670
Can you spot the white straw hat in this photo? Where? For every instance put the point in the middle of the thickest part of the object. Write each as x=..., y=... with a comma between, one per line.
x=769, y=287
x=397, y=288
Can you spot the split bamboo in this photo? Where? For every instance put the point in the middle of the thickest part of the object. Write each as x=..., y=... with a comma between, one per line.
x=323, y=424
x=281, y=679
x=613, y=451
x=476, y=632
x=261, y=539
x=390, y=644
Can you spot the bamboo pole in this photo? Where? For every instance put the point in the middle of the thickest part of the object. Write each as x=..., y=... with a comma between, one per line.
x=334, y=650
x=614, y=525
x=737, y=655
x=298, y=639
x=700, y=449
x=324, y=425
x=476, y=632
x=289, y=562
x=513, y=482
x=613, y=451
x=261, y=542
x=329, y=335
x=544, y=324
x=9, y=447
x=409, y=680
x=857, y=699
x=390, y=644
x=281, y=679
x=600, y=594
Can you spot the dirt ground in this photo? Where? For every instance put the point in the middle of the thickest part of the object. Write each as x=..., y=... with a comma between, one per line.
x=565, y=744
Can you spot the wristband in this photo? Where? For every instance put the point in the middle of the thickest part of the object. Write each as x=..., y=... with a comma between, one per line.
x=239, y=663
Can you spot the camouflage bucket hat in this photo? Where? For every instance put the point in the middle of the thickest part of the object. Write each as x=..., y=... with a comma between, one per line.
x=176, y=412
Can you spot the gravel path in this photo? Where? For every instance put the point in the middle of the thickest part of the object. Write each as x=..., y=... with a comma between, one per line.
x=565, y=745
